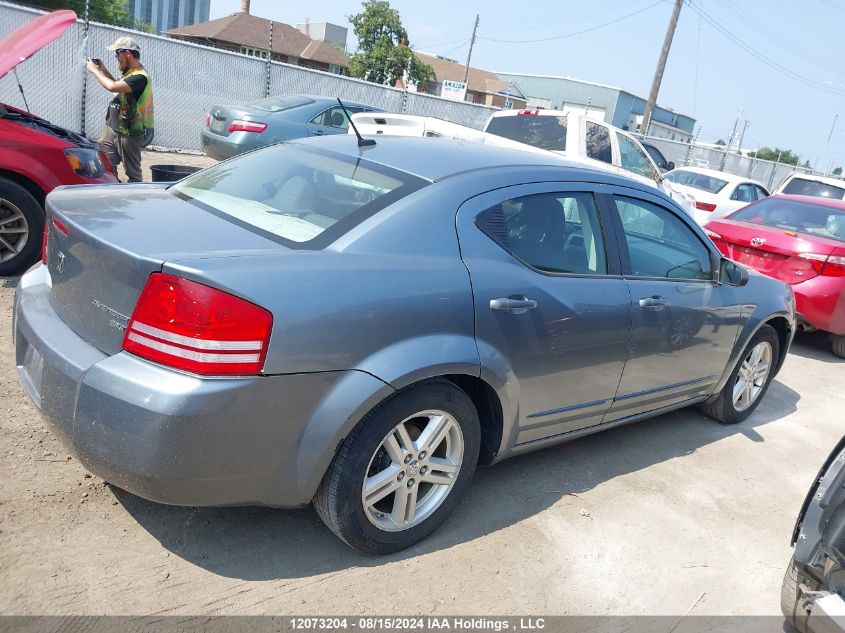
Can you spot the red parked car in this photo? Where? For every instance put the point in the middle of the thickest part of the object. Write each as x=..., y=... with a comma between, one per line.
x=35, y=155
x=801, y=241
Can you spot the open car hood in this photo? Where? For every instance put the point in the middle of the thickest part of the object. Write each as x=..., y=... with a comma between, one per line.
x=32, y=37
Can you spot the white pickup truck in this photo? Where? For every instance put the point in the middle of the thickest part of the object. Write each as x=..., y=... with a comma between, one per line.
x=578, y=138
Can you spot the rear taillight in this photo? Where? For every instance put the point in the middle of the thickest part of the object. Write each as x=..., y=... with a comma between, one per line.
x=247, y=126
x=705, y=206
x=829, y=266
x=207, y=122
x=712, y=234
x=199, y=329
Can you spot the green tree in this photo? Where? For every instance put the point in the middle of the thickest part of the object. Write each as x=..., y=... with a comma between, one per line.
x=807, y=164
x=720, y=142
x=837, y=171
x=105, y=11
x=384, y=54
x=787, y=157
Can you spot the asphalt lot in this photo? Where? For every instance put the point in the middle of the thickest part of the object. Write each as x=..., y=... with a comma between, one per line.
x=675, y=515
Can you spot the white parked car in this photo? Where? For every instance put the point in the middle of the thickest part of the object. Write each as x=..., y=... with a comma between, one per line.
x=579, y=138
x=811, y=185
x=715, y=194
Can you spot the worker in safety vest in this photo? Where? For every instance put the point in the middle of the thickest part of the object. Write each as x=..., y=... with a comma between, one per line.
x=129, y=120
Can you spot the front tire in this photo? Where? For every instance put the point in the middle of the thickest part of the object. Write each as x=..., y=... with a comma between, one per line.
x=21, y=226
x=749, y=380
x=838, y=344
x=402, y=469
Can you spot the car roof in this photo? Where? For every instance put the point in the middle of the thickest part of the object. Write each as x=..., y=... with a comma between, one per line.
x=834, y=203
x=438, y=158
x=721, y=175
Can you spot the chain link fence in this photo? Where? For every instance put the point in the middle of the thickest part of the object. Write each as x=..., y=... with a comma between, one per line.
x=769, y=173
x=187, y=80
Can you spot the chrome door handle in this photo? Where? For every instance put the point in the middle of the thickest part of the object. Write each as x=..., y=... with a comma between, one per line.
x=514, y=305
x=654, y=303
x=318, y=132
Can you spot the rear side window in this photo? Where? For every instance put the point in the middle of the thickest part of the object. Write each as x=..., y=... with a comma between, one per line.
x=804, y=187
x=333, y=117
x=791, y=215
x=545, y=132
x=598, y=143
x=660, y=244
x=744, y=193
x=298, y=195
x=551, y=232
x=696, y=180
x=279, y=104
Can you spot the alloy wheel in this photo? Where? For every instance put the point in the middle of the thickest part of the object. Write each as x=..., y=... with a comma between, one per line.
x=14, y=230
x=413, y=470
x=752, y=376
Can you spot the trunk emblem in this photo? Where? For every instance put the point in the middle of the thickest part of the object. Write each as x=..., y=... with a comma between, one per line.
x=60, y=263
x=757, y=241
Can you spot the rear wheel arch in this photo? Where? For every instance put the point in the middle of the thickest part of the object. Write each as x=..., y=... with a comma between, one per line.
x=784, y=332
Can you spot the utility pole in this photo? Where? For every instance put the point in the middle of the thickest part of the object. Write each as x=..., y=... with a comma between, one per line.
x=661, y=66
x=730, y=141
x=471, y=43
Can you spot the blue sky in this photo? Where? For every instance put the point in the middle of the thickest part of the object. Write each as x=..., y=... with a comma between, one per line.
x=781, y=61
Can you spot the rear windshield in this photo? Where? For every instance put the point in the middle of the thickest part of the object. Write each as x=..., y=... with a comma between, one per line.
x=804, y=187
x=277, y=104
x=298, y=195
x=801, y=217
x=545, y=132
x=696, y=181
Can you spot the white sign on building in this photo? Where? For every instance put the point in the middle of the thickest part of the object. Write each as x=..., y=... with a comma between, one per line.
x=453, y=90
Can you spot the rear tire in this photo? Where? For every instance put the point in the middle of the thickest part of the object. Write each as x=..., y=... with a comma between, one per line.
x=748, y=382
x=838, y=344
x=789, y=598
x=21, y=226
x=388, y=488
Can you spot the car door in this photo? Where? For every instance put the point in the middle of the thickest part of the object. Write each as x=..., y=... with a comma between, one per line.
x=552, y=312
x=684, y=322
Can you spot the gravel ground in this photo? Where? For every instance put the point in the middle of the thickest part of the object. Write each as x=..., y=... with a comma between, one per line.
x=673, y=515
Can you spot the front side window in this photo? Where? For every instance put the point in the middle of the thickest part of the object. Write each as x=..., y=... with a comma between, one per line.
x=295, y=194
x=545, y=132
x=660, y=244
x=598, y=143
x=551, y=232
x=632, y=158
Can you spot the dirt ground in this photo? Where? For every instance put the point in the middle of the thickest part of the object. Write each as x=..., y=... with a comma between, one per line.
x=670, y=516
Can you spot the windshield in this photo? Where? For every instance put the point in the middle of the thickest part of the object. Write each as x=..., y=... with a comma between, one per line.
x=295, y=193
x=696, y=180
x=801, y=217
x=545, y=132
x=804, y=187
x=278, y=104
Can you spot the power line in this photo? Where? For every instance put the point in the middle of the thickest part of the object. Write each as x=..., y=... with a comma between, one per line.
x=573, y=34
x=594, y=9
x=760, y=57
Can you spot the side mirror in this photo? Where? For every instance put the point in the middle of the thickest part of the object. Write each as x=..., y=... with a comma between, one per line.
x=732, y=274
x=670, y=166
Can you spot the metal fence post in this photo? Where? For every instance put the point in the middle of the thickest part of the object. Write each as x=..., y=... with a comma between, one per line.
x=774, y=170
x=692, y=144
x=84, y=70
x=269, y=61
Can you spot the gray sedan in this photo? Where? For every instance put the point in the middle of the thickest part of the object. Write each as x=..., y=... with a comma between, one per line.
x=361, y=326
x=233, y=129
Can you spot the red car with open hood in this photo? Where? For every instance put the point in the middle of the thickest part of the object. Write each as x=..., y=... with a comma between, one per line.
x=36, y=156
x=799, y=240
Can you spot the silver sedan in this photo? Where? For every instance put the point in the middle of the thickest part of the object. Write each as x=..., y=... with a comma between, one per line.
x=362, y=326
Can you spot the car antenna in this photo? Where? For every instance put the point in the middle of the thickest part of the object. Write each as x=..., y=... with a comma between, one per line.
x=20, y=87
x=362, y=142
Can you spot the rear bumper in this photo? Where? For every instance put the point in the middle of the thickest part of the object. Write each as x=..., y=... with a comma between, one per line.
x=177, y=438
x=223, y=147
x=821, y=302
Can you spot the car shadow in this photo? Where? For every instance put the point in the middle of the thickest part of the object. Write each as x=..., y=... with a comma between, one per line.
x=814, y=345
x=9, y=282
x=254, y=543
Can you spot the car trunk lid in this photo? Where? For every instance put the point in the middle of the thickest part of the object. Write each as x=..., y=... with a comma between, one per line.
x=776, y=252
x=103, y=244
